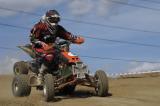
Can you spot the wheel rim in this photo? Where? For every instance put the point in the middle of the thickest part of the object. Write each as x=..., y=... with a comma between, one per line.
x=97, y=85
x=17, y=71
x=16, y=88
x=44, y=90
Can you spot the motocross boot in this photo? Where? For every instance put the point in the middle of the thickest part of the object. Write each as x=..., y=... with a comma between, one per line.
x=41, y=73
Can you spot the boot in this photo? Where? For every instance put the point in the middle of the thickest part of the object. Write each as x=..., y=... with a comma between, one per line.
x=41, y=73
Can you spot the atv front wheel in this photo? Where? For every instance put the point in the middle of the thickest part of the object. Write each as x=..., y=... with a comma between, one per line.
x=20, y=86
x=48, y=87
x=101, y=83
x=20, y=68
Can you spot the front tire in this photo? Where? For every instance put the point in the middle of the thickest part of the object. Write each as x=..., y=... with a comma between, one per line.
x=101, y=83
x=48, y=87
x=20, y=86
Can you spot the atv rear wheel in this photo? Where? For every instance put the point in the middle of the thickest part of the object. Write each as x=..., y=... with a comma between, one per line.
x=101, y=83
x=20, y=68
x=20, y=86
x=48, y=87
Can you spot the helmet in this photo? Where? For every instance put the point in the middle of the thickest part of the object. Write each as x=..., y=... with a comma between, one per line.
x=52, y=17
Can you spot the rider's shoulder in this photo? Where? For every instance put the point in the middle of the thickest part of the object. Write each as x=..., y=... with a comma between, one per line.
x=60, y=27
x=40, y=25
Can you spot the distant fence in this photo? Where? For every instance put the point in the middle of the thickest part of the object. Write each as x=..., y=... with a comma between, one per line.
x=135, y=74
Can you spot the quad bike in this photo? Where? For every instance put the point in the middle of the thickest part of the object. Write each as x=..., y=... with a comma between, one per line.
x=69, y=72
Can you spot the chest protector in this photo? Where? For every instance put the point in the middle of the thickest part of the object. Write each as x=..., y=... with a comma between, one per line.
x=50, y=35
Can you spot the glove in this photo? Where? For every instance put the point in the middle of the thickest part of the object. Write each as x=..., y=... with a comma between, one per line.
x=37, y=44
x=79, y=40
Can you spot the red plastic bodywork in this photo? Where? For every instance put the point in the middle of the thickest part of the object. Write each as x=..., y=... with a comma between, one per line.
x=71, y=58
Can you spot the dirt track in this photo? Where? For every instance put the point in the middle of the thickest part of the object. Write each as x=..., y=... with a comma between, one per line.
x=124, y=92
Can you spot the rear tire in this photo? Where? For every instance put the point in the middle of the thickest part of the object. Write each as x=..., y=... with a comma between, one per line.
x=20, y=68
x=48, y=87
x=102, y=83
x=20, y=86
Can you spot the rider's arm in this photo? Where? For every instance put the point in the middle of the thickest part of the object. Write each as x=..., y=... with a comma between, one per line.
x=33, y=38
x=35, y=34
x=68, y=36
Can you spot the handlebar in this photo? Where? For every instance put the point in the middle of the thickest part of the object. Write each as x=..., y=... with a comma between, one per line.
x=61, y=45
x=64, y=43
x=57, y=45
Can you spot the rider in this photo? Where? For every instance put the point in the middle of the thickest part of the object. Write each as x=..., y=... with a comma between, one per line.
x=46, y=32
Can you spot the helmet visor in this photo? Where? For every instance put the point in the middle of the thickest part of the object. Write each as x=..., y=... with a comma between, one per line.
x=53, y=19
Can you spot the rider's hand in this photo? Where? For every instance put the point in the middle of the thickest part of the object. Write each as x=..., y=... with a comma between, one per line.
x=79, y=40
x=37, y=44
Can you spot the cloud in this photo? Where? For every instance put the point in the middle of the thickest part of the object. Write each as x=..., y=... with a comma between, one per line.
x=6, y=65
x=76, y=7
x=25, y=5
x=103, y=7
x=137, y=67
x=80, y=7
x=97, y=7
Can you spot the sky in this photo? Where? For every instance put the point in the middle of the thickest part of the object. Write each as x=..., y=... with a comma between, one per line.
x=104, y=12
